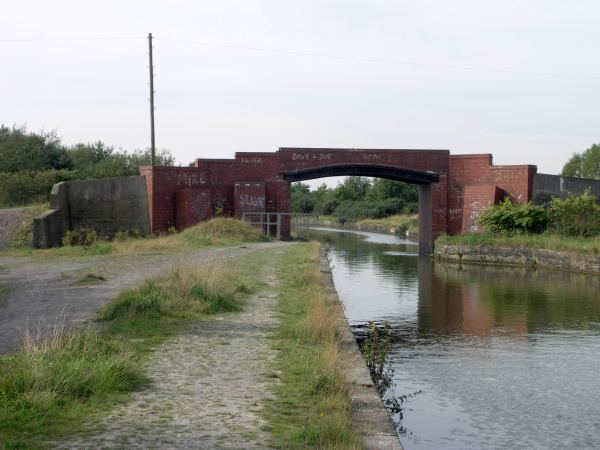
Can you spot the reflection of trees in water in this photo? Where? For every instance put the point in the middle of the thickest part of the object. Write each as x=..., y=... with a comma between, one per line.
x=476, y=299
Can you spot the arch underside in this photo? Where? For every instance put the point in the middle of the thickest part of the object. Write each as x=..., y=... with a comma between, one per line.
x=364, y=170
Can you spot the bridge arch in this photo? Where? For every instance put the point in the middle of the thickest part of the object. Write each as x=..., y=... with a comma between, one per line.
x=363, y=170
x=423, y=179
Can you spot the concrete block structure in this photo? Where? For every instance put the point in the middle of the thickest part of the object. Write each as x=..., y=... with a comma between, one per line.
x=453, y=189
x=108, y=206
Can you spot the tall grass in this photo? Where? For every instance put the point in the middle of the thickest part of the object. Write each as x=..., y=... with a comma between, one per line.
x=58, y=377
x=313, y=406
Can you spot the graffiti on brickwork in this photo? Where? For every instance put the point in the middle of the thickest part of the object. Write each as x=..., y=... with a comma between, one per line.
x=252, y=201
x=455, y=212
x=255, y=161
x=371, y=156
x=311, y=156
x=476, y=210
x=191, y=179
x=220, y=204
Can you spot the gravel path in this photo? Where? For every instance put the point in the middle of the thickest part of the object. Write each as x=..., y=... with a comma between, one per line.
x=43, y=291
x=208, y=387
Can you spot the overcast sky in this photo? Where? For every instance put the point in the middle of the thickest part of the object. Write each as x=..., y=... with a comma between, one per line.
x=214, y=100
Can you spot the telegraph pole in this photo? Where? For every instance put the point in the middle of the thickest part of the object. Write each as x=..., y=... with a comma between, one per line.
x=152, y=140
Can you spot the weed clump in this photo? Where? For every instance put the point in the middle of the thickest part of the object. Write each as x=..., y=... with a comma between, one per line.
x=183, y=292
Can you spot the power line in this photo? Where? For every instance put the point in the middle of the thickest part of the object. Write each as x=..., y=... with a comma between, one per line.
x=316, y=55
x=111, y=38
x=379, y=60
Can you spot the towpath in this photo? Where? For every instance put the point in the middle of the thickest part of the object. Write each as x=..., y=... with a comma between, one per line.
x=208, y=386
x=39, y=292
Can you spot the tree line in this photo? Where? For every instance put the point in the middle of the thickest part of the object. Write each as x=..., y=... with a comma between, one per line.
x=585, y=164
x=356, y=198
x=31, y=163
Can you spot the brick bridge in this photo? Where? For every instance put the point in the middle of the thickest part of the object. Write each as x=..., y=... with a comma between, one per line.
x=453, y=189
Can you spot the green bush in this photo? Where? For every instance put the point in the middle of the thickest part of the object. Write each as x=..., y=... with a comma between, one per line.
x=20, y=188
x=22, y=150
x=575, y=215
x=509, y=217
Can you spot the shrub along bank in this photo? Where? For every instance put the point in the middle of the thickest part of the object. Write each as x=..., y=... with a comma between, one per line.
x=573, y=216
x=568, y=226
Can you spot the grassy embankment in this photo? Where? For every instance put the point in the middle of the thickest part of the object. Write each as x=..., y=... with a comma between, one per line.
x=385, y=225
x=312, y=407
x=549, y=241
x=216, y=232
x=54, y=382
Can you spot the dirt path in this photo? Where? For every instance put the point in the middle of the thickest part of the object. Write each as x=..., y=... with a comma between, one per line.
x=208, y=387
x=41, y=291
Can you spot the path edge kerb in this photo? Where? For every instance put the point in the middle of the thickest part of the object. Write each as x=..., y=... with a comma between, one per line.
x=369, y=416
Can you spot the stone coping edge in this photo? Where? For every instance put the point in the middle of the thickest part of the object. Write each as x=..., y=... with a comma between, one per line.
x=532, y=257
x=369, y=416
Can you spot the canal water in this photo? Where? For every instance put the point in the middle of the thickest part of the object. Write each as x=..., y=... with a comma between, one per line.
x=502, y=357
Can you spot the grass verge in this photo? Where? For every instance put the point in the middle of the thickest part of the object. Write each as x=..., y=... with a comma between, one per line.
x=547, y=241
x=312, y=408
x=58, y=380
x=215, y=232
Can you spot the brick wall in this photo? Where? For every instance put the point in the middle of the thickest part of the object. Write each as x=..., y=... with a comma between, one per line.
x=477, y=199
x=192, y=206
x=477, y=170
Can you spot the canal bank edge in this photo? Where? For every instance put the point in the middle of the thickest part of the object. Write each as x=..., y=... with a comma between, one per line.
x=533, y=257
x=369, y=416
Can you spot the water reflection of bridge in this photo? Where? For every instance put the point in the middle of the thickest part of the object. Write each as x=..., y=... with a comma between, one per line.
x=479, y=300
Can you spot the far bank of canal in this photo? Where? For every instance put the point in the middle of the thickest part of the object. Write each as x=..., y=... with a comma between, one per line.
x=504, y=357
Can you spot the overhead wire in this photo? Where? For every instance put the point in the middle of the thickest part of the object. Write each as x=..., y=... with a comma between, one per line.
x=99, y=38
x=314, y=55
x=379, y=60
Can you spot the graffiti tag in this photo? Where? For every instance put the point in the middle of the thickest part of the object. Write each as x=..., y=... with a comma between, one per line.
x=191, y=179
x=311, y=156
x=252, y=200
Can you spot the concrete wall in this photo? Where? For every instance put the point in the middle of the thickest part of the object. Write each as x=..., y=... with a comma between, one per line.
x=107, y=205
x=547, y=186
x=49, y=227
